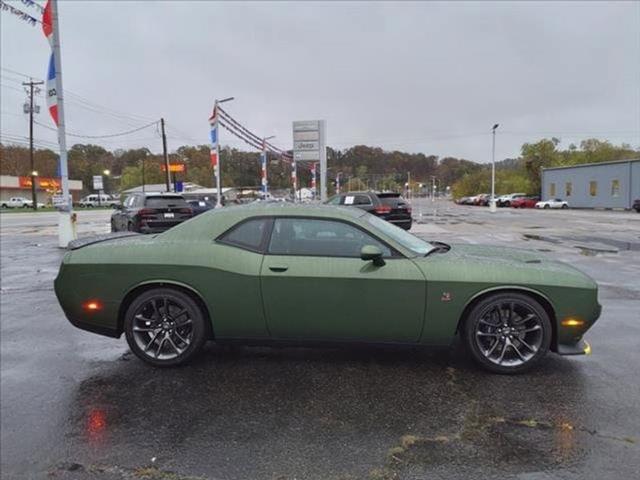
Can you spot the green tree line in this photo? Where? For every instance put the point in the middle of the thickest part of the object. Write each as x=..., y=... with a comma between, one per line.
x=523, y=174
x=360, y=167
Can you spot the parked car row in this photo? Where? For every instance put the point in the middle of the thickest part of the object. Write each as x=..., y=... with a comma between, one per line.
x=515, y=200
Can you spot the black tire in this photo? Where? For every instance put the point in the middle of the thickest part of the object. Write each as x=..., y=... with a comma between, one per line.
x=485, y=307
x=564, y=207
x=131, y=227
x=547, y=206
x=113, y=226
x=507, y=204
x=198, y=332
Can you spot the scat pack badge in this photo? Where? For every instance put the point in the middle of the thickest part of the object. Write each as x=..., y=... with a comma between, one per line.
x=446, y=297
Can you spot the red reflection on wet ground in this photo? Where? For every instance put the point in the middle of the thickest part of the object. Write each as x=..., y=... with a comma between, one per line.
x=96, y=424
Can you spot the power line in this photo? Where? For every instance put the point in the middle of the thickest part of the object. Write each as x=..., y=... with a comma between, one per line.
x=120, y=134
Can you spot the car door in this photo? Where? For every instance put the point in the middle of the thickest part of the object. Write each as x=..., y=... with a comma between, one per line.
x=316, y=287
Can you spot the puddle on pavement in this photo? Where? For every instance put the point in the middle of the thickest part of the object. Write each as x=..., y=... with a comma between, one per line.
x=592, y=252
x=531, y=236
x=620, y=245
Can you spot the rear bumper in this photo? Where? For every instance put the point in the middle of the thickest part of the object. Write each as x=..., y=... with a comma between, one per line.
x=406, y=224
x=90, y=327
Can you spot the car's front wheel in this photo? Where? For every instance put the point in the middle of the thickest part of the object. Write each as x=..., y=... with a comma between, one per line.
x=507, y=333
x=165, y=327
x=547, y=206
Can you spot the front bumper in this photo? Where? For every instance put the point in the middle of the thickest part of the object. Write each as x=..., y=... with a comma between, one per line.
x=581, y=347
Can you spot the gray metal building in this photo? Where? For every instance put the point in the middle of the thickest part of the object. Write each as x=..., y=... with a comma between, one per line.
x=594, y=185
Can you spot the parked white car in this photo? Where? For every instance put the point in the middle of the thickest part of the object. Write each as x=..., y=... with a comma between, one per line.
x=553, y=203
x=505, y=200
x=19, y=202
x=95, y=200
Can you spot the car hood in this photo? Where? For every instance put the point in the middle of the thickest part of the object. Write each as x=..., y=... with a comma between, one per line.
x=503, y=265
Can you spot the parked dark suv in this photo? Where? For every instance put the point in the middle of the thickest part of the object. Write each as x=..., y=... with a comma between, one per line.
x=388, y=206
x=636, y=205
x=150, y=213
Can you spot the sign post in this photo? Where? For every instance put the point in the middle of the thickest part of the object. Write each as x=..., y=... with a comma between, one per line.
x=309, y=145
x=98, y=185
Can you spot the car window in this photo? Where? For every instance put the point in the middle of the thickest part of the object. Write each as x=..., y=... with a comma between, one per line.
x=395, y=200
x=165, y=201
x=318, y=237
x=361, y=200
x=248, y=234
x=335, y=200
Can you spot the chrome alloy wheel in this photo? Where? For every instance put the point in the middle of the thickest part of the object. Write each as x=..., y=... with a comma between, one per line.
x=162, y=328
x=509, y=334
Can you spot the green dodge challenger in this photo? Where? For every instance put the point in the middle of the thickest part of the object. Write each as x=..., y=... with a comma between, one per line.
x=301, y=275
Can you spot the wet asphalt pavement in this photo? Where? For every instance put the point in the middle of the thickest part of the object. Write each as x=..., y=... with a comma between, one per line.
x=78, y=406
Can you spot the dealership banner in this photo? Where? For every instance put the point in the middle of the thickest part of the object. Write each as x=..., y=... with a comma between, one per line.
x=213, y=138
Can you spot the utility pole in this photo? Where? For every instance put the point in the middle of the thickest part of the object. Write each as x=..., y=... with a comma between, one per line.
x=31, y=84
x=263, y=167
x=166, y=156
x=492, y=202
x=143, y=179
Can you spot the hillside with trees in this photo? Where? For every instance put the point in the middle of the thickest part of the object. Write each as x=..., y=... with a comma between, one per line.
x=361, y=167
x=523, y=174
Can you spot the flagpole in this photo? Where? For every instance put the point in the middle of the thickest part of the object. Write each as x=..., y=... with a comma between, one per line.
x=217, y=167
x=66, y=228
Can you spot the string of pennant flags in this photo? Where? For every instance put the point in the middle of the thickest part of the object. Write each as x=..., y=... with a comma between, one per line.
x=31, y=3
x=19, y=13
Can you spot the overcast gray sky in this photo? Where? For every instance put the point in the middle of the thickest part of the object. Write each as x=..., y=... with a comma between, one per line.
x=421, y=77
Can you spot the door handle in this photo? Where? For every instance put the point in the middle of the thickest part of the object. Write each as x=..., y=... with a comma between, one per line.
x=279, y=268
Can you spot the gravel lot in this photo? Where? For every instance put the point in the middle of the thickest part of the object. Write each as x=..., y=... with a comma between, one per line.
x=75, y=405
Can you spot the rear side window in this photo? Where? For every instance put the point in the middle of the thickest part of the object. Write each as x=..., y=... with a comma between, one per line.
x=248, y=235
x=165, y=202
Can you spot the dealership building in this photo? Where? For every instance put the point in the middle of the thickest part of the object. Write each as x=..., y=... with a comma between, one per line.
x=46, y=187
x=594, y=185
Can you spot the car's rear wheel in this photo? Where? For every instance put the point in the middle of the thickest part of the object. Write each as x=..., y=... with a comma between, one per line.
x=165, y=327
x=547, y=206
x=113, y=226
x=131, y=227
x=507, y=333
x=565, y=206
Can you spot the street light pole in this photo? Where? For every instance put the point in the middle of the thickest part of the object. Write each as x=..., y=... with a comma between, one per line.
x=492, y=202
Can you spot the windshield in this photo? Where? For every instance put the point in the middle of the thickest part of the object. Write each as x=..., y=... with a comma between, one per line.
x=404, y=238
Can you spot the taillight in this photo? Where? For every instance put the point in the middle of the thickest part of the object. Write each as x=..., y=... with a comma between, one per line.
x=146, y=212
x=409, y=210
x=185, y=210
x=380, y=209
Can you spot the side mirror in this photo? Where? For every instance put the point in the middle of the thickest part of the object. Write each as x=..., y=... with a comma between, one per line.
x=373, y=253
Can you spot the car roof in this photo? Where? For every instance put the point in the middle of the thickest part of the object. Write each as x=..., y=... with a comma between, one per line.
x=215, y=221
x=292, y=209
